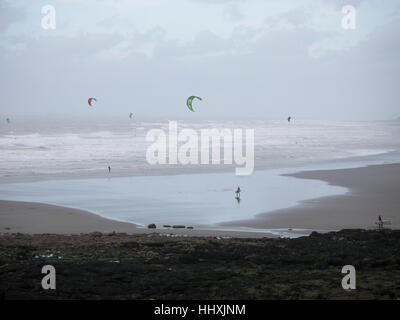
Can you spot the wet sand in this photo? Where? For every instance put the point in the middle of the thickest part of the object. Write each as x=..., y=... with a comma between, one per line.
x=373, y=191
x=39, y=218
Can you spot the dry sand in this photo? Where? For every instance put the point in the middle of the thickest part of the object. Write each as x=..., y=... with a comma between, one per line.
x=373, y=190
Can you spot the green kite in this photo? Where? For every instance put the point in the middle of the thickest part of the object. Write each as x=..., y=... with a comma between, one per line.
x=189, y=102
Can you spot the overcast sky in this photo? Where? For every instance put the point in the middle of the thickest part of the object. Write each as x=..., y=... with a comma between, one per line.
x=245, y=58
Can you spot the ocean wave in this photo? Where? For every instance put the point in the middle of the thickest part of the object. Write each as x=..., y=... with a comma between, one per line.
x=276, y=143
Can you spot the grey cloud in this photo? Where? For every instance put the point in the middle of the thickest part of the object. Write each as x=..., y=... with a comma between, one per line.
x=383, y=43
x=9, y=15
x=218, y=1
x=108, y=22
x=57, y=75
x=340, y=3
x=296, y=17
x=234, y=13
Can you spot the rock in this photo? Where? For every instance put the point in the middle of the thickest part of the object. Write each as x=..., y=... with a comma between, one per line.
x=189, y=228
x=152, y=226
x=96, y=234
x=178, y=227
x=130, y=245
x=166, y=226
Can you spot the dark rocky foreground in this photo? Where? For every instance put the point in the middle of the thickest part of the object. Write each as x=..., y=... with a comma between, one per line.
x=120, y=266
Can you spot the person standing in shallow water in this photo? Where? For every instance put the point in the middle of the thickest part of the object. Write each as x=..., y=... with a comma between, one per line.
x=238, y=193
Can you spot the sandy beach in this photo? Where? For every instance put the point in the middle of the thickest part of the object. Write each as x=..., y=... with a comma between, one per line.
x=373, y=191
x=40, y=218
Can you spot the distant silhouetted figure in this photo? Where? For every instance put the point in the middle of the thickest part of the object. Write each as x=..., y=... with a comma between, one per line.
x=289, y=118
x=109, y=169
x=237, y=193
x=380, y=222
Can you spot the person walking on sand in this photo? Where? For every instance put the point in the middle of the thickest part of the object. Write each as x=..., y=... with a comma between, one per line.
x=238, y=193
x=109, y=169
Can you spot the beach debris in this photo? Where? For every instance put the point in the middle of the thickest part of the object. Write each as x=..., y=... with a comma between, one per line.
x=151, y=226
x=90, y=101
x=189, y=102
x=114, y=261
x=172, y=235
x=45, y=256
